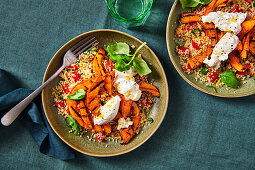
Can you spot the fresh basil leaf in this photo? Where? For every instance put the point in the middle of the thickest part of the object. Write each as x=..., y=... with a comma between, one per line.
x=141, y=66
x=78, y=95
x=229, y=78
x=118, y=48
x=71, y=122
x=122, y=66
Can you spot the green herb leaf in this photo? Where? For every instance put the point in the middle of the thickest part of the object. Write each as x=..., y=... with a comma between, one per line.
x=150, y=120
x=193, y=3
x=78, y=95
x=196, y=30
x=204, y=70
x=141, y=66
x=118, y=48
x=71, y=122
x=229, y=78
x=122, y=66
x=116, y=57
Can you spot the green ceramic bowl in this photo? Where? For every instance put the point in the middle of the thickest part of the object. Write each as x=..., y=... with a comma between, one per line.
x=244, y=90
x=82, y=144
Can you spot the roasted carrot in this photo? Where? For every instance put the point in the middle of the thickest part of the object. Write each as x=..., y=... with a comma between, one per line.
x=239, y=46
x=190, y=17
x=246, y=27
x=252, y=46
x=73, y=104
x=135, y=116
x=149, y=88
x=76, y=117
x=125, y=107
x=196, y=61
x=98, y=128
x=211, y=32
x=107, y=128
x=234, y=61
x=84, y=115
x=97, y=63
x=108, y=83
x=213, y=5
x=126, y=134
x=246, y=47
x=93, y=104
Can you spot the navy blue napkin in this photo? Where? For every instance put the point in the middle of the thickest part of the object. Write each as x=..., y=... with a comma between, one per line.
x=34, y=119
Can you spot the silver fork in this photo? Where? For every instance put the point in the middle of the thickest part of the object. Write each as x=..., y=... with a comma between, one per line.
x=70, y=57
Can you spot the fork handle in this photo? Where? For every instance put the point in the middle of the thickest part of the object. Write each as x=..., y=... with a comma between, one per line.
x=10, y=116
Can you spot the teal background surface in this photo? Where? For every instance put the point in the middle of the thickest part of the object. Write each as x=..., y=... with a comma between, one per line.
x=199, y=131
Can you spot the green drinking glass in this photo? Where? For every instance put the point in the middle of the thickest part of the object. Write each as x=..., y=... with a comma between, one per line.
x=129, y=13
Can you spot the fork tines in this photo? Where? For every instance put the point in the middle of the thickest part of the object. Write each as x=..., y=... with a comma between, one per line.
x=84, y=45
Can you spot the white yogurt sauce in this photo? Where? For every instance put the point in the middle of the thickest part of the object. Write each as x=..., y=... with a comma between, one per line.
x=108, y=111
x=124, y=123
x=222, y=49
x=127, y=86
x=225, y=21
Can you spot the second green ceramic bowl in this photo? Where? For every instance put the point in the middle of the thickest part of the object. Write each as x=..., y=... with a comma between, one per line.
x=244, y=90
x=82, y=144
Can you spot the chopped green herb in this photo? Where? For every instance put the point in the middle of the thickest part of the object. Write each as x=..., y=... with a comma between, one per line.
x=196, y=30
x=150, y=120
x=102, y=102
x=204, y=70
x=79, y=61
x=86, y=60
x=78, y=95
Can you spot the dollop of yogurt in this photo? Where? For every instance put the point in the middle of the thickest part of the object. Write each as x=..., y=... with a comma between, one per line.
x=108, y=111
x=124, y=123
x=222, y=49
x=226, y=21
x=126, y=85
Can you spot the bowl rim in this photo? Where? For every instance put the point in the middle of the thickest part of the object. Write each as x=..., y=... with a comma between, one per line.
x=143, y=140
x=180, y=71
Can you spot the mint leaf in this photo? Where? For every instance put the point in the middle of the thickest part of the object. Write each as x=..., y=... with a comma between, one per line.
x=78, y=95
x=141, y=66
x=71, y=122
x=229, y=78
x=118, y=48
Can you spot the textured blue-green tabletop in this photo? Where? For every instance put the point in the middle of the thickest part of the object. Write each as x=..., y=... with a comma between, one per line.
x=199, y=131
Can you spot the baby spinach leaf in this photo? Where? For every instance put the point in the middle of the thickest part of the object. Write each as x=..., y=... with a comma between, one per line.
x=122, y=66
x=78, y=95
x=229, y=78
x=204, y=70
x=71, y=122
x=141, y=66
x=193, y=3
x=118, y=48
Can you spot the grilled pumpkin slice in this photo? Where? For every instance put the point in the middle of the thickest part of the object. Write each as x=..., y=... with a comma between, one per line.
x=149, y=88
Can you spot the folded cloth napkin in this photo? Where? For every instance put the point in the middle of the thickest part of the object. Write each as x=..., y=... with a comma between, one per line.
x=34, y=119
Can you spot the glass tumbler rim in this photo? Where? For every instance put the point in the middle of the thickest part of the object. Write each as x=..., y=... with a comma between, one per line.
x=149, y=5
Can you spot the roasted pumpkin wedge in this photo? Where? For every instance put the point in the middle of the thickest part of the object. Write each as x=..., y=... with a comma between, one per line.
x=149, y=88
